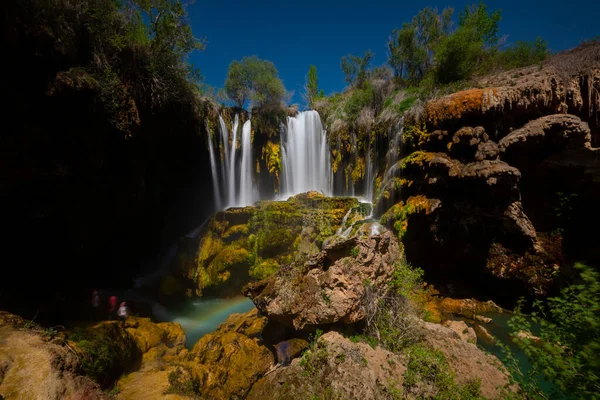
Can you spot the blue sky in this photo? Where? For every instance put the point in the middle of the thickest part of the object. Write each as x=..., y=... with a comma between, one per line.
x=295, y=34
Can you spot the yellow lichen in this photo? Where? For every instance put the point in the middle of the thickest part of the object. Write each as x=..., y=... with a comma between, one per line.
x=272, y=158
x=456, y=105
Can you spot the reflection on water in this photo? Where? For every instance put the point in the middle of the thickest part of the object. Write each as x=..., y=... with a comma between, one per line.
x=198, y=317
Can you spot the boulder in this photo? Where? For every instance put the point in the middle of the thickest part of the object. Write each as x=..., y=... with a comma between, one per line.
x=466, y=141
x=328, y=287
x=250, y=243
x=465, y=332
x=543, y=136
x=481, y=318
x=337, y=368
x=487, y=151
x=467, y=360
x=468, y=308
x=227, y=362
x=483, y=334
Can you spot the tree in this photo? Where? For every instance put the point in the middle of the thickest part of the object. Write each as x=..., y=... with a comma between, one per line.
x=356, y=68
x=470, y=48
x=255, y=80
x=430, y=27
x=237, y=84
x=406, y=55
x=521, y=53
x=566, y=352
x=169, y=25
x=411, y=49
x=312, y=86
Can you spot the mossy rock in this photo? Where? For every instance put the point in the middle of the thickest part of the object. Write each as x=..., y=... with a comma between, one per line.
x=253, y=242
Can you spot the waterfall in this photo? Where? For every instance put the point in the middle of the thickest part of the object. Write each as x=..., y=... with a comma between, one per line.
x=368, y=192
x=393, y=153
x=213, y=169
x=305, y=156
x=248, y=192
x=235, y=177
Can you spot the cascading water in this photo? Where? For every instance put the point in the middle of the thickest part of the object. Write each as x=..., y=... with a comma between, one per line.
x=231, y=173
x=369, y=178
x=248, y=192
x=235, y=177
x=393, y=154
x=213, y=169
x=305, y=156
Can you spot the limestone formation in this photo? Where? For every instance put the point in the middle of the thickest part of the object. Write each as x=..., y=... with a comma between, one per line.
x=328, y=287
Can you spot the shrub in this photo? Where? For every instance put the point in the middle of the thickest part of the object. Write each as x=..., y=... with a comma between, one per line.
x=566, y=352
x=428, y=375
x=523, y=53
x=315, y=356
x=181, y=381
x=391, y=317
x=255, y=80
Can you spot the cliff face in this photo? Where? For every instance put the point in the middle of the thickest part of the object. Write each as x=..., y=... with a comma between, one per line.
x=101, y=178
x=487, y=187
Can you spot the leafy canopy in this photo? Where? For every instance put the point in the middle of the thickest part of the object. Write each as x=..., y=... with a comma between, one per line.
x=356, y=68
x=312, y=86
x=254, y=80
x=566, y=352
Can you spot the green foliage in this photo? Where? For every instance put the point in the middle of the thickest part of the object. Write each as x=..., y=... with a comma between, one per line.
x=362, y=96
x=521, y=53
x=371, y=341
x=312, y=86
x=181, y=382
x=355, y=68
x=354, y=252
x=407, y=281
x=563, y=210
x=428, y=375
x=411, y=49
x=50, y=332
x=470, y=48
x=315, y=356
x=255, y=80
x=566, y=352
x=99, y=358
x=134, y=53
x=391, y=315
x=168, y=25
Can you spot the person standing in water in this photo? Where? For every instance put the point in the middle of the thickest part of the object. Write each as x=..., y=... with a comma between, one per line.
x=112, y=307
x=123, y=313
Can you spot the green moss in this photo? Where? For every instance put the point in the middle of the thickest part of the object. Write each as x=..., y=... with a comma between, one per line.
x=235, y=231
x=398, y=214
x=272, y=158
x=418, y=158
x=259, y=239
x=265, y=269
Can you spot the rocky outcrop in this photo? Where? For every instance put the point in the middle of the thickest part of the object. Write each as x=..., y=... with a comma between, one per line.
x=467, y=360
x=566, y=83
x=339, y=368
x=543, y=136
x=466, y=333
x=328, y=287
x=243, y=244
x=34, y=366
x=482, y=204
x=343, y=369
